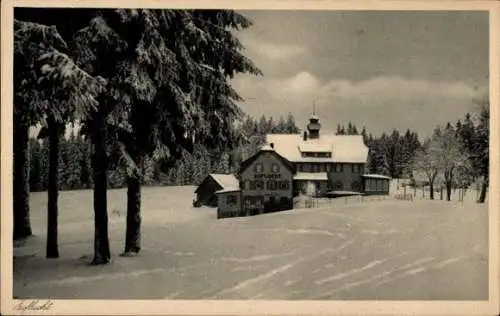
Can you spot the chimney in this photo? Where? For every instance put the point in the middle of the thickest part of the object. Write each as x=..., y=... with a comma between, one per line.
x=305, y=135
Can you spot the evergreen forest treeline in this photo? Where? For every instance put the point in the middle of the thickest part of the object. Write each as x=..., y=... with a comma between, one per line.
x=390, y=154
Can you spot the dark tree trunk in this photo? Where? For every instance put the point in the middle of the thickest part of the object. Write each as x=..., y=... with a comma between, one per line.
x=21, y=216
x=133, y=231
x=53, y=191
x=102, y=253
x=448, y=190
x=484, y=187
x=431, y=188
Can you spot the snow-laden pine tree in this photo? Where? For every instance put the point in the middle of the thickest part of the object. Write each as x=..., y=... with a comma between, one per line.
x=49, y=89
x=168, y=75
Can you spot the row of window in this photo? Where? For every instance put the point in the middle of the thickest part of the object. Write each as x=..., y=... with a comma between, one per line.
x=324, y=167
x=259, y=168
x=317, y=154
x=337, y=185
x=312, y=167
x=377, y=185
x=253, y=200
x=261, y=185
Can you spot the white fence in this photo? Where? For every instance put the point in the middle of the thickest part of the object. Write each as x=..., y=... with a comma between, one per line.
x=424, y=193
x=310, y=202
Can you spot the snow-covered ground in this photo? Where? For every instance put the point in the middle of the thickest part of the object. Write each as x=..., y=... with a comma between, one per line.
x=371, y=250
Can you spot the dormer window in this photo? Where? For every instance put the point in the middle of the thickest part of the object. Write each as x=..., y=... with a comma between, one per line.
x=314, y=154
x=275, y=168
x=258, y=168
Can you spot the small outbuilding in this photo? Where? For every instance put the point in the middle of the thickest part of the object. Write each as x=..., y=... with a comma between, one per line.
x=206, y=191
x=376, y=184
x=228, y=202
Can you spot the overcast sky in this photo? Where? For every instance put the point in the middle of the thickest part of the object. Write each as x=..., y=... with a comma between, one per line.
x=383, y=70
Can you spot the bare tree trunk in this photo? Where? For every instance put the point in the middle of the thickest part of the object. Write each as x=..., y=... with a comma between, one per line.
x=431, y=188
x=448, y=190
x=52, y=250
x=484, y=187
x=21, y=216
x=102, y=253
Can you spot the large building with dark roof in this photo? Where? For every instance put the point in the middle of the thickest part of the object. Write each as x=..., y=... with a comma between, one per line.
x=292, y=164
x=335, y=164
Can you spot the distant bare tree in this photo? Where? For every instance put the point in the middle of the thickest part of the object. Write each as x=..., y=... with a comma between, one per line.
x=427, y=161
x=453, y=159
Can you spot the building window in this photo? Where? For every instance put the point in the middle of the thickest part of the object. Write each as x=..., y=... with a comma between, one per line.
x=242, y=185
x=339, y=167
x=232, y=199
x=258, y=168
x=272, y=185
x=306, y=167
x=324, y=154
x=256, y=185
x=328, y=167
x=283, y=185
x=275, y=168
x=355, y=168
x=259, y=185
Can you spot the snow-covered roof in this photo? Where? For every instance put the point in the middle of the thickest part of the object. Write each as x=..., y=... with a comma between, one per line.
x=315, y=147
x=376, y=176
x=227, y=190
x=313, y=176
x=344, y=148
x=225, y=180
x=266, y=148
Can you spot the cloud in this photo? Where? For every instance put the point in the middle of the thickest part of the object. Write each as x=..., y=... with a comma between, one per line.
x=306, y=84
x=397, y=87
x=381, y=103
x=273, y=51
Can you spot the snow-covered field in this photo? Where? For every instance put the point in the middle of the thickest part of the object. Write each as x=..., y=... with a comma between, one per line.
x=371, y=250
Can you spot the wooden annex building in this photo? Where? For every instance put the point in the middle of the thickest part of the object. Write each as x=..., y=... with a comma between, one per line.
x=290, y=165
x=206, y=191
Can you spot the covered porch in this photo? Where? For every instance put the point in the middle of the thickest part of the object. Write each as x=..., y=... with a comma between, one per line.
x=310, y=183
x=376, y=184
